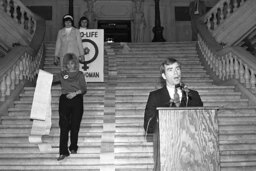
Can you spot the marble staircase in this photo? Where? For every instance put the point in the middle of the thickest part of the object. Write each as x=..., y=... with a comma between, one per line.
x=112, y=136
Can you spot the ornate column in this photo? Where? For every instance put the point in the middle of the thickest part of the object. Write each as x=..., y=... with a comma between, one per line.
x=90, y=14
x=158, y=29
x=70, y=7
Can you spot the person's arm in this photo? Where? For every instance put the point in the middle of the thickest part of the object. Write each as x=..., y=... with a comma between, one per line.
x=194, y=99
x=82, y=85
x=57, y=48
x=150, y=116
x=56, y=78
x=80, y=45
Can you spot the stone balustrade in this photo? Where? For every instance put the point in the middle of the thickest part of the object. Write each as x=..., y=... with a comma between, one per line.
x=21, y=14
x=220, y=12
x=24, y=67
x=231, y=63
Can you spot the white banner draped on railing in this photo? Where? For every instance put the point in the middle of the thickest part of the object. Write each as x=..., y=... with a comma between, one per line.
x=41, y=107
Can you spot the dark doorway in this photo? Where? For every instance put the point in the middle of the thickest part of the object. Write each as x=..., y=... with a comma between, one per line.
x=116, y=30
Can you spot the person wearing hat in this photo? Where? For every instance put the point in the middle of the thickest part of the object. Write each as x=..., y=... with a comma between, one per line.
x=68, y=41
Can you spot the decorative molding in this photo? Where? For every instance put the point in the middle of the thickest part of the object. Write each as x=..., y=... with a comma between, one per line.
x=113, y=10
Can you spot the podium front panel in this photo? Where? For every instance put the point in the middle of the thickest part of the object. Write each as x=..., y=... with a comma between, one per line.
x=188, y=140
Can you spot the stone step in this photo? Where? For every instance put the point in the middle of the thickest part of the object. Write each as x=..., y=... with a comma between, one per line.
x=86, y=116
x=84, y=167
x=141, y=93
x=135, y=72
x=25, y=122
x=220, y=103
x=156, y=80
x=88, y=105
x=145, y=76
x=93, y=128
x=33, y=148
x=26, y=112
x=28, y=99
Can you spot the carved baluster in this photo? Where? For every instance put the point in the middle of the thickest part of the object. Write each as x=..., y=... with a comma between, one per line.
x=213, y=63
x=17, y=74
x=21, y=70
x=215, y=20
x=253, y=81
x=241, y=71
x=29, y=23
x=24, y=66
x=8, y=8
x=211, y=59
x=8, y=83
x=228, y=8
x=208, y=23
x=247, y=76
x=25, y=15
x=235, y=5
x=2, y=5
x=217, y=67
x=15, y=11
x=227, y=66
x=27, y=66
x=220, y=69
x=3, y=89
x=22, y=20
x=231, y=59
x=223, y=68
x=13, y=78
x=221, y=13
x=30, y=67
x=32, y=25
x=236, y=68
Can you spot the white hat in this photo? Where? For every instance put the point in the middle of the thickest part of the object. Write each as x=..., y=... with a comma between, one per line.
x=68, y=17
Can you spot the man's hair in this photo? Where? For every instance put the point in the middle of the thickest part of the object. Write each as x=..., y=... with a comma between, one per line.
x=70, y=57
x=167, y=61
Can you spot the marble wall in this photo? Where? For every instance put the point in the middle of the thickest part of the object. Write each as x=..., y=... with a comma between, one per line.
x=122, y=10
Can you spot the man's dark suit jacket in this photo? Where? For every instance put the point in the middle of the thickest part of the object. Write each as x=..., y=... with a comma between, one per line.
x=161, y=98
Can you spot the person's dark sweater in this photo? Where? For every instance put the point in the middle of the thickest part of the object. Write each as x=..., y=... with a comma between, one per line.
x=71, y=81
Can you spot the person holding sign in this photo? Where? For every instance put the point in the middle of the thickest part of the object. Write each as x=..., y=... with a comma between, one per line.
x=68, y=41
x=73, y=87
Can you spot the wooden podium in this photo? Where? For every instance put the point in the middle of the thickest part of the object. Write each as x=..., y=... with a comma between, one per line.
x=186, y=139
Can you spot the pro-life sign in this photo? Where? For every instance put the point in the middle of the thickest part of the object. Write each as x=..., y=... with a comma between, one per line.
x=93, y=43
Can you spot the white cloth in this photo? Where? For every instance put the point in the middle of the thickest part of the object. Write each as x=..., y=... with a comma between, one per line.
x=41, y=107
x=68, y=30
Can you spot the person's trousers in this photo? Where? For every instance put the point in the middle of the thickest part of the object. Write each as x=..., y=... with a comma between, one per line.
x=70, y=116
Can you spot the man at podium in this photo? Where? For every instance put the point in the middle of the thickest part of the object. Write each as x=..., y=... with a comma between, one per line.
x=173, y=94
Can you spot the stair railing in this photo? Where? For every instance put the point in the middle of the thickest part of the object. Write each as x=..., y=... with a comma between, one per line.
x=24, y=66
x=227, y=62
x=22, y=63
x=220, y=12
x=20, y=14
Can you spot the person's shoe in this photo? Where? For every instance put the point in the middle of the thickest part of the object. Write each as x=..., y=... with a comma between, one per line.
x=61, y=157
x=73, y=152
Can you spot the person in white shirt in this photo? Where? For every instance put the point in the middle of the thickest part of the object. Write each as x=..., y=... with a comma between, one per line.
x=68, y=41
